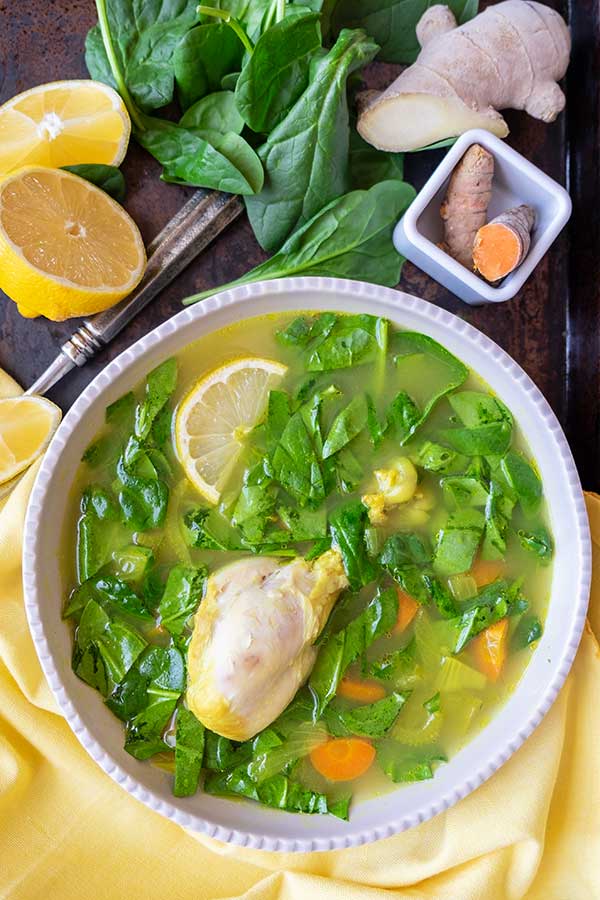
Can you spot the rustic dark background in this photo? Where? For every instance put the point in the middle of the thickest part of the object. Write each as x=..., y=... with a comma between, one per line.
x=551, y=328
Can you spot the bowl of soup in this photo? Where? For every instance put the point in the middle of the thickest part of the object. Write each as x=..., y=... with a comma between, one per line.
x=307, y=563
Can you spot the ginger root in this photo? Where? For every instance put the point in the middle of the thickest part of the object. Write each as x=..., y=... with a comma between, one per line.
x=509, y=56
x=502, y=244
x=464, y=209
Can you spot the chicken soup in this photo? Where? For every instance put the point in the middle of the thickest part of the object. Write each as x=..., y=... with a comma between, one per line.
x=310, y=558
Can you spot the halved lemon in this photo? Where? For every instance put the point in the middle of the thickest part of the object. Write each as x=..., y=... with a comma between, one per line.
x=214, y=418
x=26, y=425
x=66, y=248
x=64, y=123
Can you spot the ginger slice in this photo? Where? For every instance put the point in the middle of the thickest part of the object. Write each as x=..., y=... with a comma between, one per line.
x=502, y=244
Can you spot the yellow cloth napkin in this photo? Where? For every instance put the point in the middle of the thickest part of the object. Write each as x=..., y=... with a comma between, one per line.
x=67, y=831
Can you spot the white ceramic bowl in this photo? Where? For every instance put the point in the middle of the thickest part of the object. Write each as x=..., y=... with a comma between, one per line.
x=244, y=822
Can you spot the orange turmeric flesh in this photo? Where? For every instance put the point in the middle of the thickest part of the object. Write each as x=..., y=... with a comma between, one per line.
x=497, y=251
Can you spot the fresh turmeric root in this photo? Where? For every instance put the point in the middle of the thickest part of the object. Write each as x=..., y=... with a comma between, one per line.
x=502, y=244
x=464, y=209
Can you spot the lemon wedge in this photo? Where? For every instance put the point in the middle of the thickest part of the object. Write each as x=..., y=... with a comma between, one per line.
x=216, y=415
x=8, y=386
x=26, y=425
x=64, y=123
x=66, y=248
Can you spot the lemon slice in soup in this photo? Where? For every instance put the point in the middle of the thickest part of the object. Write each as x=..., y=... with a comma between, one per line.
x=218, y=413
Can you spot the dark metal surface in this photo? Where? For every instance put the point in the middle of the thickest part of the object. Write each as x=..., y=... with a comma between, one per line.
x=551, y=328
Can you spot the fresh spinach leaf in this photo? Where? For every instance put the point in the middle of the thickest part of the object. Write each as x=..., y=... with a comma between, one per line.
x=276, y=74
x=203, y=57
x=345, y=646
x=143, y=500
x=524, y=481
x=182, y=595
x=256, y=504
x=347, y=524
x=498, y=512
x=481, y=440
x=304, y=524
x=306, y=156
x=398, y=666
x=441, y=597
x=434, y=457
x=392, y=23
x=464, y=490
x=528, y=631
x=160, y=384
x=225, y=162
x=219, y=752
x=131, y=564
x=403, y=548
x=403, y=766
x=370, y=720
x=145, y=37
x=216, y=112
x=475, y=408
x=144, y=732
x=369, y=166
x=349, y=471
x=278, y=415
x=295, y=464
x=349, y=341
x=208, y=529
x=108, y=178
x=157, y=672
x=279, y=792
x=189, y=751
x=376, y=429
x=489, y=606
x=537, y=540
x=109, y=592
x=404, y=417
x=349, y=238
x=97, y=532
x=458, y=541
x=105, y=648
x=349, y=423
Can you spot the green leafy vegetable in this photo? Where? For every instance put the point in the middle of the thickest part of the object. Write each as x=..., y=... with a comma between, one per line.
x=392, y=22
x=109, y=178
x=523, y=480
x=369, y=166
x=370, y=720
x=105, y=648
x=144, y=38
x=405, y=766
x=295, y=463
x=189, y=751
x=347, y=524
x=160, y=384
x=346, y=426
x=202, y=58
x=345, y=646
x=528, y=631
x=458, y=541
x=306, y=156
x=158, y=672
x=276, y=74
x=349, y=238
x=538, y=541
x=216, y=112
x=436, y=458
x=182, y=595
x=225, y=162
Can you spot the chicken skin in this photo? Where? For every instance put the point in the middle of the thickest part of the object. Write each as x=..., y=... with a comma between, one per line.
x=252, y=643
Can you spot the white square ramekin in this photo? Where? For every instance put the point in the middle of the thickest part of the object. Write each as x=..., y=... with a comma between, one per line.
x=516, y=181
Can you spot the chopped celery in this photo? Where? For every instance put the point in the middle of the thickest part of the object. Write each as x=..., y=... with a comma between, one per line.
x=434, y=640
x=462, y=586
x=460, y=709
x=455, y=675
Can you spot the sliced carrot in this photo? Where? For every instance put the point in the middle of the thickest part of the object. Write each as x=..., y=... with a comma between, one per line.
x=484, y=571
x=362, y=691
x=407, y=610
x=343, y=759
x=489, y=649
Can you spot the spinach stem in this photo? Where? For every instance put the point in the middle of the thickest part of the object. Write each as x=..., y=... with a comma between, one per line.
x=109, y=49
x=228, y=19
x=280, y=10
x=270, y=16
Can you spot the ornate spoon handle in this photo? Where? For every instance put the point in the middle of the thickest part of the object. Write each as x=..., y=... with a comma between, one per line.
x=190, y=230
